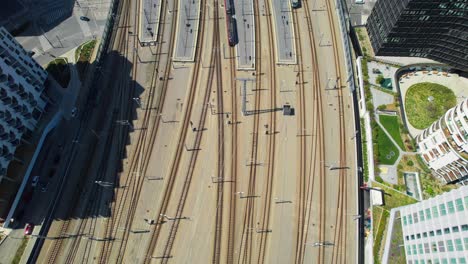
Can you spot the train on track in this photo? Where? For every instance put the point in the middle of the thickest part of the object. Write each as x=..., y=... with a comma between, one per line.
x=229, y=6
x=231, y=30
x=231, y=24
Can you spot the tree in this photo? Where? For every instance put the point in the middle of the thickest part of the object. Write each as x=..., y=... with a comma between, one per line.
x=380, y=79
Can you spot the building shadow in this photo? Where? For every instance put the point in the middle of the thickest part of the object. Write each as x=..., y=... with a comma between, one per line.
x=77, y=179
x=33, y=18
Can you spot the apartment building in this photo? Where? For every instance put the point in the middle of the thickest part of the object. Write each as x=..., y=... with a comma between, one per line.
x=21, y=96
x=444, y=145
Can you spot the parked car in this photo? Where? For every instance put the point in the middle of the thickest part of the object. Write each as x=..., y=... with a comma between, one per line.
x=35, y=180
x=28, y=229
x=84, y=18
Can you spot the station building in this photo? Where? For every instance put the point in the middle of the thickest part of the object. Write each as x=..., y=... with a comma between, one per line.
x=22, y=101
x=434, y=29
x=436, y=230
x=444, y=145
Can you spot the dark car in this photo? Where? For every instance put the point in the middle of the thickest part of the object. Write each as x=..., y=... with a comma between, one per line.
x=84, y=18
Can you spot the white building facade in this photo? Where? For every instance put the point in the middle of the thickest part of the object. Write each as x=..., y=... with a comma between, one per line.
x=444, y=145
x=435, y=231
x=21, y=96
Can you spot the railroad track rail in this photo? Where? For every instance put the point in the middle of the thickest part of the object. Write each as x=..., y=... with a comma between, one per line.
x=57, y=246
x=156, y=231
x=317, y=155
x=216, y=257
x=139, y=162
x=245, y=245
x=271, y=149
x=340, y=223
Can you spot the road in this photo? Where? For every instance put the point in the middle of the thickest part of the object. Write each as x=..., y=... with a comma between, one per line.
x=198, y=181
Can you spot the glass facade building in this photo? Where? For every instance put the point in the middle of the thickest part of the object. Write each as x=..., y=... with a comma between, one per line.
x=434, y=29
x=435, y=231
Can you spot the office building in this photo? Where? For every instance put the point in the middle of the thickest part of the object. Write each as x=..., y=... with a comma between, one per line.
x=444, y=145
x=21, y=97
x=434, y=29
x=435, y=231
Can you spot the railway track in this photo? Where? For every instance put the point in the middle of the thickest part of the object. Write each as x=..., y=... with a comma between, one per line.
x=174, y=168
x=234, y=162
x=219, y=203
x=317, y=155
x=271, y=149
x=139, y=161
x=57, y=247
x=340, y=224
x=245, y=246
x=302, y=137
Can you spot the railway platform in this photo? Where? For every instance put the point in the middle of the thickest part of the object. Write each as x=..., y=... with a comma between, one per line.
x=284, y=32
x=188, y=20
x=245, y=49
x=149, y=22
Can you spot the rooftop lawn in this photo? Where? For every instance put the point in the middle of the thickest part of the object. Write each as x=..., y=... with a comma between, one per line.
x=388, y=152
x=390, y=123
x=426, y=102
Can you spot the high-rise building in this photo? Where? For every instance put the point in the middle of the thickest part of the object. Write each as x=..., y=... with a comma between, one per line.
x=434, y=29
x=21, y=96
x=436, y=230
x=444, y=145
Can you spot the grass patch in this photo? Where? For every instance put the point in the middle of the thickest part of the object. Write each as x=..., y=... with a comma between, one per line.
x=20, y=251
x=379, y=234
x=421, y=111
x=59, y=69
x=397, y=253
x=83, y=57
x=391, y=124
x=394, y=198
x=387, y=152
x=364, y=151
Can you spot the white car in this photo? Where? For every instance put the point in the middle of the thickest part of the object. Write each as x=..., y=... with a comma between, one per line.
x=34, y=181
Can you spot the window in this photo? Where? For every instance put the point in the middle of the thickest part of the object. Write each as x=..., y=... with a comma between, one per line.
x=426, y=248
x=420, y=248
x=424, y=234
x=415, y=218
x=466, y=201
x=451, y=207
x=464, y=227
x=418, y=235
x=458, y=244
x=428, y=214
x=436, y=261
x=443, y=210
x=465, y=241
x=408, y=250
x=421, y=215
x=459, y=204
x=410, y=219
x=439, y=232
x=431, y=233
x=412, y=237
x=447, y=230
x=462, y=260
x=407, y=237
x=414, y=250
x=455, y=229
x=453, y=261
x=435, y=211
x=441, y=246
x=449, y=245
x=404, y=220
